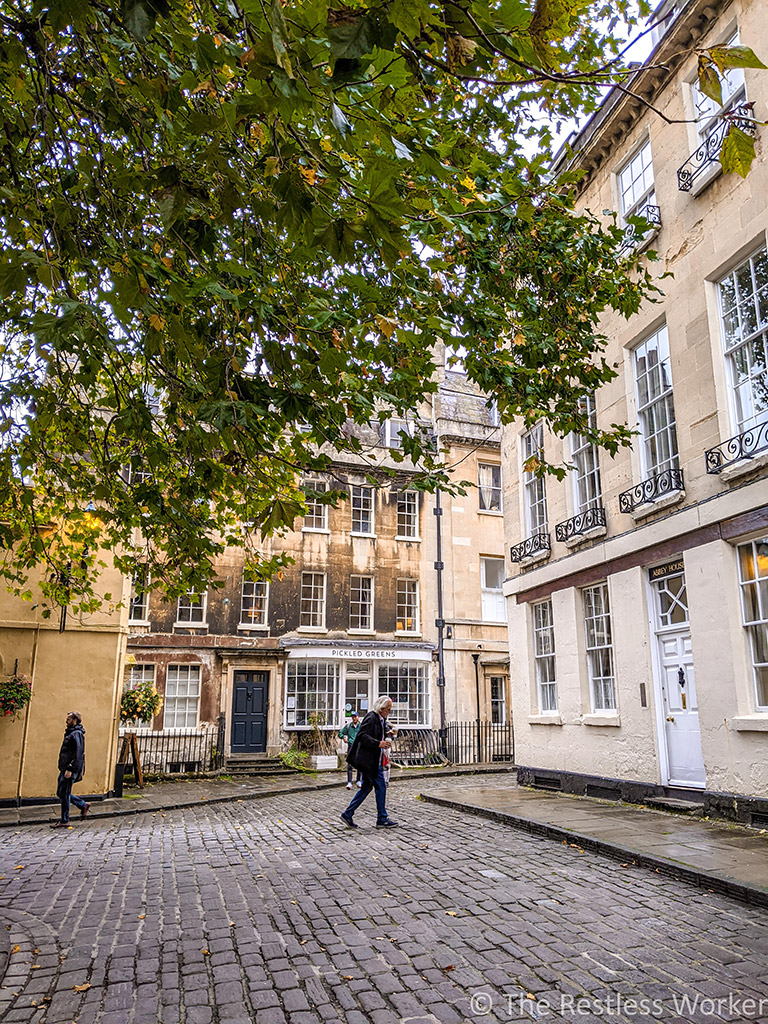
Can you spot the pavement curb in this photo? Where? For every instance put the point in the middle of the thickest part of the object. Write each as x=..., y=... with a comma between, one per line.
x=724, y=886
x=123, y=812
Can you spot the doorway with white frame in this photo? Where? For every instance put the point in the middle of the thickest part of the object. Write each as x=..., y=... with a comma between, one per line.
x=680, y=734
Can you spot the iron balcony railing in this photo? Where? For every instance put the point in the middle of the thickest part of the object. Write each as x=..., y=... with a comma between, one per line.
x=742, y=446
x=667, y=482
x=706, y=155
x=635, y=236
x=480, y=742
x=590, y=519
x=530, y=547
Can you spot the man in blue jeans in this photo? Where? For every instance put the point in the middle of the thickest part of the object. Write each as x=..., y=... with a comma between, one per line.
x=71, y=768
x=367, y=754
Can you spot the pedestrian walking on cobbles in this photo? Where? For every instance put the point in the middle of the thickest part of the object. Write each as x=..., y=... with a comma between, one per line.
x=71, y=768
x=349, y=733
x=370, y=754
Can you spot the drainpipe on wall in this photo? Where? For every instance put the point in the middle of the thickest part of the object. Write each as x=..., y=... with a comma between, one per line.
x=476, y=659
x=440, y=621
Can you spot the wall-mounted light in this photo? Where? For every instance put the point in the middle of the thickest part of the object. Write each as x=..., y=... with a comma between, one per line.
x=449, y=632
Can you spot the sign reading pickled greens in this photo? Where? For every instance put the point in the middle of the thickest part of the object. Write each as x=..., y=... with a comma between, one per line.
x=658, y=572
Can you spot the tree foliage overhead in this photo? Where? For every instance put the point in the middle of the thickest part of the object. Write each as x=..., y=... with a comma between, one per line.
x=229, y=228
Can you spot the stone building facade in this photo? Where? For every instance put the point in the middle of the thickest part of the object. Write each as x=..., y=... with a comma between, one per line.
x=356, y=613
x=638, y=602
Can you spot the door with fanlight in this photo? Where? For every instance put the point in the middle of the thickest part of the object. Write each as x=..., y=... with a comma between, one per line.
x=677, y=679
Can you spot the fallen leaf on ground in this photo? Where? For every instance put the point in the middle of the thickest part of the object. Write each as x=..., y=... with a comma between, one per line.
x=206, y=952
x=452, y=913
x=450, y=967
x=81, y=988
x=19, y=867
x=142, y=916
x=16, y=948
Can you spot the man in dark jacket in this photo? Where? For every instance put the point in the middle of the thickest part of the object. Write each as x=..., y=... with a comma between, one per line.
x=71, y=768
x=367, y=754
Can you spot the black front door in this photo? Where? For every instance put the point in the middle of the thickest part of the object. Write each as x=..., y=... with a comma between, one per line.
x=249, y=712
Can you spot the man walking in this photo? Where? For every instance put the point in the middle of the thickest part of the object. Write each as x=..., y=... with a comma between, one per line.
x=349, y=733
x=368, y=753
x=71, y=768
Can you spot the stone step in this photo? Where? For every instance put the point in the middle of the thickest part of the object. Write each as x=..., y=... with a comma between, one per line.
x=670, y=803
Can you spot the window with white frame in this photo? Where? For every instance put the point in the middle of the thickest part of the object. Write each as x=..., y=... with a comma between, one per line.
x=743, y=298
x=138, y=609
x=391, y=430
x=534, y=486
x=587, y=492
x=135, y=472
x=316, y=516
x=489, y=487
x=312, y=612
x=655, y=404
x=709, y=111
x=135, y=675
x=407, y=515
x=192, y=608
x=407, y=606
x=494, y=414
x=492, y=595
x=182, y=697
x=599, y=647
x=253, y=602
x=361, y=602
x=544, y=656
x=636, y=185
x=312, y=692
x=498, y=700
x=362, y=509
x=753, y=580
x=406, y=683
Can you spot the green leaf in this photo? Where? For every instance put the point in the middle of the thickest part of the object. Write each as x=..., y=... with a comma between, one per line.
x=737, y=152
x=140, y=16
x=734, y=57
x=709, y=81
x=279, y=38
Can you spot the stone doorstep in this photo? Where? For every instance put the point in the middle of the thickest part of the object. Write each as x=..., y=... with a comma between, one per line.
x=668, y=803
x=703, y=879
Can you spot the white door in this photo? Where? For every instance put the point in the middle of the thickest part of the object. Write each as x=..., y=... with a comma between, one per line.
x=678, y=684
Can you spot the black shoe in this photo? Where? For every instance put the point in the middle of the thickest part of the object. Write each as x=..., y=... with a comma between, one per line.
x=348, y=821
x=60, y=824
x=386, y=824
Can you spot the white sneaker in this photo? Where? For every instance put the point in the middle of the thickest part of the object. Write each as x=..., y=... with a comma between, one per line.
x=349, y=785
x=358, y=785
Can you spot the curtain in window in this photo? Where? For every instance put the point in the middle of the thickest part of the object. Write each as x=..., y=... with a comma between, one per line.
x=485, y=482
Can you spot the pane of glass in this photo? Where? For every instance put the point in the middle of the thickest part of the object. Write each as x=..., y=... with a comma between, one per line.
x=748, y=317
x=760, y=264
x=494, y=573
x=761, y=686
x=744, y=281
x=760, y=643
x=731, y=327
x=728, y=292
x=751, y=603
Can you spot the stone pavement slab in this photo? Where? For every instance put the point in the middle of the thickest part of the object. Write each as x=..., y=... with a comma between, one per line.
x=718, y=856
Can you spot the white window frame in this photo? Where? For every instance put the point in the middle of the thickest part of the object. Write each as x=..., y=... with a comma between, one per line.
x=407, y=684
x=585, y=476
x=544, y=657
x=498, y=704
x=489, y=495
x=636, y=183
x=135, y=675
x=363, y=506
x=312, y=603
x=534, y=487
x=171, y=699
x=358, y=585
x=743, y=337
x=754, y=613
x=391, y=429
x=598, y=641
x=134, y=604
x=259, y=592
x=303, y=699
x=407, y=608
x=492, y=602
x=410, y=515
x=316, y=516
x=649, y=404
x=707, y=111
x=187, y=607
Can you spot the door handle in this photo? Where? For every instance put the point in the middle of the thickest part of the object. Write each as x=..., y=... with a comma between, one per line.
x=670, y=718
x=681, y=676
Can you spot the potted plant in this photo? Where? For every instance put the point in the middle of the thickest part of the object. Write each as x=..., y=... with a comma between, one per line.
x=15, y=694
x=321, y=744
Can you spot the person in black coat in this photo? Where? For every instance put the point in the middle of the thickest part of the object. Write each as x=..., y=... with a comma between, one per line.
x=367, y=753
x=71, y=768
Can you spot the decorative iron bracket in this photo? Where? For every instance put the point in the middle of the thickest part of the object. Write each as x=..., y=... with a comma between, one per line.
x=701, y=159
x=590, y=519
x=666, y=482
x=529, y=547
x=742, y=446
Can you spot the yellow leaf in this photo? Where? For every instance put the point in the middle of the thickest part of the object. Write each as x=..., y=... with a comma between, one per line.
x=81, y=988
x=386, y=325
x=156, y=322
x=326, y=145
x=19, y=867
x=167, y=261
x=272, y=165
x=206, y=952
x=16, y=949
x=451, y=913
x=142, y=916
x=519, y=339
x=308, y=174
x=469, y=183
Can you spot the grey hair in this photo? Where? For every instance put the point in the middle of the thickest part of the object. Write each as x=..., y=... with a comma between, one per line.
x=381, y=702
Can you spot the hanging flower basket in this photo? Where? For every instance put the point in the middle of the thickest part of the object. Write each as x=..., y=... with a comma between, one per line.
x=15, y=694
x=140, y=704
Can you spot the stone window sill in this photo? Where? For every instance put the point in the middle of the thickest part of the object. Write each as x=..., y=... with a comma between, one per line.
x=356, y=533
x=250, y=626
x=554, y=719
x=582, y=538
x=317, y=630
x=651, y=507
x=539, y=556
x=199, y=627
x=602, y=720
x=751, y=723
x=411, y=540
x=743, y=467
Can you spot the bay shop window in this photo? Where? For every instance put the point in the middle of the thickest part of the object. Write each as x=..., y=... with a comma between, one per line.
x=327, y=685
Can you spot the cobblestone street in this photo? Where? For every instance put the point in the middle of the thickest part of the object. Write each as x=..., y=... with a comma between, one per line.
x=274, y=911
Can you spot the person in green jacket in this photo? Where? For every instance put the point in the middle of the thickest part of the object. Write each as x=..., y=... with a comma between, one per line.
x=348, y=733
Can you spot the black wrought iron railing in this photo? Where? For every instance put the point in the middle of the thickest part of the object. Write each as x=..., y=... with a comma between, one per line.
x=634, y=236
x=416, y=747
x=480, y=742
x=590, y=519
x=530, y=547
x=702, y=159
x=743, y=446
x=667, y=482
x=178, y=752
